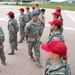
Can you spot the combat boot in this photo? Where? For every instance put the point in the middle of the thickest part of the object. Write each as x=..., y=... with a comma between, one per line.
x=3, y=62
x=33, y=59
x=11, y=53
x=16, y=48
x=38, y=64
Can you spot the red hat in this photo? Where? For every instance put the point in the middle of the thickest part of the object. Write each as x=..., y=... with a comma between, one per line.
x=33, y=7
x=58, y=9
x=21, y=9
x=56, y=13
x=10, y=13
x=27, y=8
x=56, y=22
x=56, y=47
x=36, y=4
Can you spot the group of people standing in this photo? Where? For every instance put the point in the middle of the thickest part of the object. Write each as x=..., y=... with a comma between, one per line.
x=32, y=24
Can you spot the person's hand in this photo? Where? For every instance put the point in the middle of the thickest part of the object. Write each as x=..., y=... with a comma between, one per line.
x=27, y=41
x=43, y=21
x=15, y=35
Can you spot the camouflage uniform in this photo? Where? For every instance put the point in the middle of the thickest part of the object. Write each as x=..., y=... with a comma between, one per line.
x=58, y=68
x=55, y=36
x=61, y=28
x=28, y=14
x=13, y=29
x=37, y=10
x=2, y=39
x=22, y=21
x=32, y=29
x=33, y=39
x=41, y=17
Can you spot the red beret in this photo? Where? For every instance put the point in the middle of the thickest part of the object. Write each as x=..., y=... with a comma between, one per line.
x=56, y=47
x=56, y=22
x=10, y=13
x=21, y=9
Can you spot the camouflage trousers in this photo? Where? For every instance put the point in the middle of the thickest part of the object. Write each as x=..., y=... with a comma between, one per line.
x=22, y=29
x=16, y=44
x=36, y=46
x=41, y=31
x=2, y=55
x=12, y=43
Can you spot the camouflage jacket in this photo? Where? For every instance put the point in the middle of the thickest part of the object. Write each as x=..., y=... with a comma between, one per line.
x=41, y=17
x=55, y=36
x=32, y=28
x=22, y=20
x=13, y=26
x=37, y=10
x=28, y=14
x=2, y=37
x=60, y=67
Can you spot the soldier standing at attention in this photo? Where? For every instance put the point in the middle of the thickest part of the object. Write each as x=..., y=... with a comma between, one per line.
x=56, y=15
x=13, y=29
x=33, y=38
x=58, y=9
x=28, y=14
x=2, y=39
x=56, y=50
x=22, y=22
x=42, y=21
x=37, y=9
x=55, y=33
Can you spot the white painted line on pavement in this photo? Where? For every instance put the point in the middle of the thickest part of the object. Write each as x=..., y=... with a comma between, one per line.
x=6, y=19
x=70, y=16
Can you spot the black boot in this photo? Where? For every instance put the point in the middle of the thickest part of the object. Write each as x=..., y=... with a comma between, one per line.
x=11, y=53
x=3, y=62
x=38, y=64
x=33, y=59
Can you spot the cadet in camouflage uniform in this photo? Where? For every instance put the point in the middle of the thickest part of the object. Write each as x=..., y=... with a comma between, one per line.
x=56, y=50
x=28, y=14
x=22, y=22
x=60, y=17
x=33, y=38
x=56, y=15
x=42, y=21
x=55, y=33
x=2, y=39
x=13, y=29
x=37, y=9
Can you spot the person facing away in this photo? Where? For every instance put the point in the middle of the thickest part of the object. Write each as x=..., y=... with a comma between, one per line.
x=55, y=51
